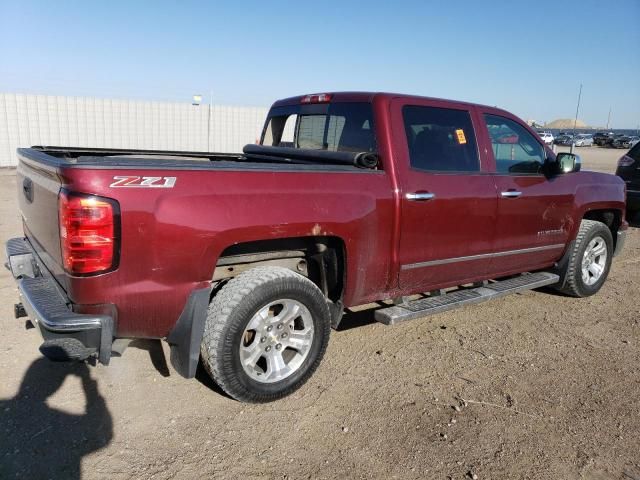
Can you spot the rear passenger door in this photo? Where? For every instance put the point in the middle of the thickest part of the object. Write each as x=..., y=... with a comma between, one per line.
x=448, y=198
x=534, y=214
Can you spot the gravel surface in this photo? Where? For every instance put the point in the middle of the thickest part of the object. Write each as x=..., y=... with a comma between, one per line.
x=534, y=385
x=597, y=159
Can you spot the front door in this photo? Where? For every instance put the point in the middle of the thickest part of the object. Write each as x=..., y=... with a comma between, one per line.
x=534, y=216
x=448, y=198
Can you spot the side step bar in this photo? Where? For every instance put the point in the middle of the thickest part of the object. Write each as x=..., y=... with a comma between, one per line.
x=436, y=304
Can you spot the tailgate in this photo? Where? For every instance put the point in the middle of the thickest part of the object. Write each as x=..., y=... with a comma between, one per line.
x=38, y=188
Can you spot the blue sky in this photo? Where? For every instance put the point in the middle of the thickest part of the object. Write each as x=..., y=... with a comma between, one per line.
x=527, y=57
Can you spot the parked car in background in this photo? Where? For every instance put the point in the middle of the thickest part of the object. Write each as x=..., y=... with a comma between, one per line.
x=624, y=141
x=566, y=140
x=547, y=137
x=634, y=141
x=614, y=139
x=602, y=138
x=629, y=170
x=583, y=140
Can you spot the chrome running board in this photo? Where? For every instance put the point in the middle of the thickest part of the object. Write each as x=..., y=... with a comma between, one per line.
x=441, y=303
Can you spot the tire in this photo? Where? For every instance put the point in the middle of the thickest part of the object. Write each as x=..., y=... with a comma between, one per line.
x=259, y=299
x=592, y=235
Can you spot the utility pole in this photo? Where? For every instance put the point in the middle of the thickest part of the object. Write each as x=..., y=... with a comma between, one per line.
x=209, y=120
x=575, y=122
x=608, y=118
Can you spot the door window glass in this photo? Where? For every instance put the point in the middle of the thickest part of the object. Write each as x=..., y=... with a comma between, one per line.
x=440, y=139
x=516, y=151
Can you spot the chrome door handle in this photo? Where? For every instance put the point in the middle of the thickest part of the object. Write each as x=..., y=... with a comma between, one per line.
x=419, y=196
x=510, y=194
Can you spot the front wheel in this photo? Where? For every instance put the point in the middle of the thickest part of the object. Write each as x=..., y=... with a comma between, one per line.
x=265, y=334
x=590, y=260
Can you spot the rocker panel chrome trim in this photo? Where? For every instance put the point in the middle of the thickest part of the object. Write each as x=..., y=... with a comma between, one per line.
x=444, y=261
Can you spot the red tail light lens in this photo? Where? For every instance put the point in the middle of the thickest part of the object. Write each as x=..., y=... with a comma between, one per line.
x=625, y=161
x=88, y=233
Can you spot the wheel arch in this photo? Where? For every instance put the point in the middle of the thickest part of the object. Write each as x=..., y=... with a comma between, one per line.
x=322, y=259
x=325, y=265
x=611, y=217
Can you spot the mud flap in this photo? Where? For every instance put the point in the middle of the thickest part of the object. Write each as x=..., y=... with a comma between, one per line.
x=561, y=267
x=106, y=339
x=186, y=336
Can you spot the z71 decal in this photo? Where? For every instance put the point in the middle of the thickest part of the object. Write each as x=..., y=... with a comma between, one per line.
x=144, y=182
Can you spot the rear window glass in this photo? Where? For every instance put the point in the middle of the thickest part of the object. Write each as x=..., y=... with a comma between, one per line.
x=335, y=127
x=440, y=139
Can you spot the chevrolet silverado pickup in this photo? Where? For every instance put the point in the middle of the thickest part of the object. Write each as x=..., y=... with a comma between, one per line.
x=245, y=262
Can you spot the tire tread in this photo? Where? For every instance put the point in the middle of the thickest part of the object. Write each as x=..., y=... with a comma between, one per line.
x=218, y=323
x=571, y=286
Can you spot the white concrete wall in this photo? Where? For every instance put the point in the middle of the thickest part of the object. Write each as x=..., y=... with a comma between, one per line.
x=27, y=120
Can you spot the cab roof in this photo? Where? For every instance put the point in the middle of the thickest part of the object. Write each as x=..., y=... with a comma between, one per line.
x=367, y=97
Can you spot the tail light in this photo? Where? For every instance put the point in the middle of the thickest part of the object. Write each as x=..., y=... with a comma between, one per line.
x=625, y=161
x=89, y=231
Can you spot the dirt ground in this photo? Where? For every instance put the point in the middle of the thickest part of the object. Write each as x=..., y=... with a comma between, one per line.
x=531, y=386
x=595, y=158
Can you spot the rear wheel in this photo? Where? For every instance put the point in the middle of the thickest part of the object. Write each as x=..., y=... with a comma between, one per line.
x=590, y=259
x=265, y=334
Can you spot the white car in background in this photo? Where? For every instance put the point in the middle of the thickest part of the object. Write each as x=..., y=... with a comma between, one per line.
x=547, y=137
x=583, y=140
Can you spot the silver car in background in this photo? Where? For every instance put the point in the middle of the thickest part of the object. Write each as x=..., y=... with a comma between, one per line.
x=627, y=141
x=583, y=140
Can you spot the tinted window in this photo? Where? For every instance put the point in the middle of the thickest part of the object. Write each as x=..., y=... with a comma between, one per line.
x=516, y=151
x=336, y=127
x=440, y=139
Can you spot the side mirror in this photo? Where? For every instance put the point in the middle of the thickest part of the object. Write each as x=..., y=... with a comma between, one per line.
x=567, y=162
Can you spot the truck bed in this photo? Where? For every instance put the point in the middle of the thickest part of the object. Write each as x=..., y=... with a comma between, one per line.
x=172, y=237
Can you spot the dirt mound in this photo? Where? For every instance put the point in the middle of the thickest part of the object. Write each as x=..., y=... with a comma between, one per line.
x=564, y=123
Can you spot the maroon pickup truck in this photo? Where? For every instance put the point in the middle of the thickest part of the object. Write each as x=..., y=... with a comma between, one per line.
x=246, y=261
